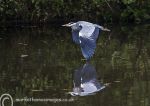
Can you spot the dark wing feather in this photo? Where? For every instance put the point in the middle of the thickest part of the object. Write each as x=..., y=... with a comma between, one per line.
x=95, y=33
x=75, y=36
x=87, y=47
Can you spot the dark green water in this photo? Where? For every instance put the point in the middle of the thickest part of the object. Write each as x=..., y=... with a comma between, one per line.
x=40, y=63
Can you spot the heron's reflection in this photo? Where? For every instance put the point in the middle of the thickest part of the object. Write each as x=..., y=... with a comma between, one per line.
x=85, y=81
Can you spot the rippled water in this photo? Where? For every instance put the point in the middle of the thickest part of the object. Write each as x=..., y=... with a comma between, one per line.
x=42, y=67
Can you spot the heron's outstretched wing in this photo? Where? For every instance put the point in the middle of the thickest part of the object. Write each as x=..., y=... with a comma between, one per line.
x=88, y=47
x=75, y=36
x=87, y=40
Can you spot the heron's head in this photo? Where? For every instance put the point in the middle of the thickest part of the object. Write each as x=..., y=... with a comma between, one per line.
x=70, y=24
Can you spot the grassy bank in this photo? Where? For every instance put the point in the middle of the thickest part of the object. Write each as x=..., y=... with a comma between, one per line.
x=18, y=12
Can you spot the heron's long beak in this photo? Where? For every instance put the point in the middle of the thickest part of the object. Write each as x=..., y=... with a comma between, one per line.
x=66, y=25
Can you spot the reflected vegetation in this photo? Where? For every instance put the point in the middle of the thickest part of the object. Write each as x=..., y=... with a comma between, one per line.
x=40, y=63
x=85, y=81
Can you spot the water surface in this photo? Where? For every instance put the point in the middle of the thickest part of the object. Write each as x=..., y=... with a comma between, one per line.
x=41, y=63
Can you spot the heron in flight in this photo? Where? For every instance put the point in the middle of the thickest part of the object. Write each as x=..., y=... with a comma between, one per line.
x=85, y=34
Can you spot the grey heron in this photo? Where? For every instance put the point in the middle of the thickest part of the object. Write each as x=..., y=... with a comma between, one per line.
x=85, y=34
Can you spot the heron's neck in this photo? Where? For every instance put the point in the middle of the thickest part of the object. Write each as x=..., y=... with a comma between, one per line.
x=74, y=28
